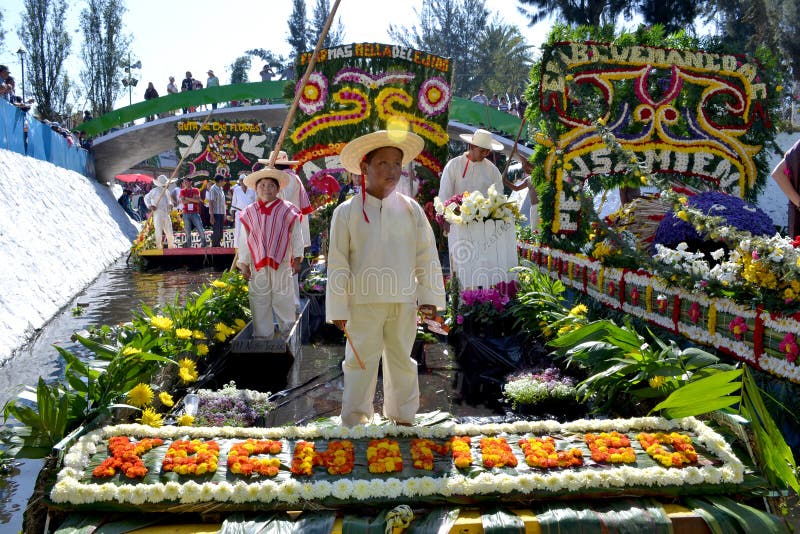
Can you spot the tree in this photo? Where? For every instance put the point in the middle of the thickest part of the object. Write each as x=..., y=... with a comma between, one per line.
x=2, y=31
x=43, y=33
x=449, y=28
x=580, y=12
x=298, y=34
x=239, y=69
x=283, y=67
x=316, y=25
x=504, y=48
x=104, y=46
x=674, y=15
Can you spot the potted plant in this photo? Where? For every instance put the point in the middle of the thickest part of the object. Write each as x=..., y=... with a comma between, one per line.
x=487, y=312
x=544, y=393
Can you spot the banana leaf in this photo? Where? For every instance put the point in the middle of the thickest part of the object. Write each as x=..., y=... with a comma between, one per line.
x=275, y=523
x=499, y=521
x=316, y=522
x=131, y=524
x=364, y=524
x=623, y=516
x=436, y=521
x=747, y=518
x=79, y=524
x=702, y=396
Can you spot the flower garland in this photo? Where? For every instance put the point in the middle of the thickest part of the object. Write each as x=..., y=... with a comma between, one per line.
x=191, y=457
x=385, y=102
x=683, y=451
x=355, y=75
x=383, y=456
x=462, y=451
x=434, y=96
x=610, y=447
x=359, y=109
x=541, y=452
x=304, y=459
x=497, y=452
x=241, y=463
x=314, y=94
x=422, y=452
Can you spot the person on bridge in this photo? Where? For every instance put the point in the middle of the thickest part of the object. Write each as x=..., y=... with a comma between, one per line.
x=216, y=209
x=190, y=197
x=187, y=85
x=382, y=268
x=270, y=251
x=212, y=81
x=149, y=94
x=159, y=201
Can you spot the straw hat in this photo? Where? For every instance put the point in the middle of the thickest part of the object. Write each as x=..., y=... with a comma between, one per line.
x=408, y=142
x=483, y=139
x=162, y=180
x=267, y=172
x=282, y=159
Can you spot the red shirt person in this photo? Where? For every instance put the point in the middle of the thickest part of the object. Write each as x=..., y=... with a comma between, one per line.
x=190, y=198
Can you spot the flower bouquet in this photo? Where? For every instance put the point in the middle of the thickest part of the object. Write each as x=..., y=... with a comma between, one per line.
x=314, y=284
x=487, y=312
x=544, y=393
x=474, y=207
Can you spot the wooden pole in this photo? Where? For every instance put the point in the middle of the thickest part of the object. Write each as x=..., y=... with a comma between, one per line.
x=302, y=83
x=355, y=352
x=513, y=148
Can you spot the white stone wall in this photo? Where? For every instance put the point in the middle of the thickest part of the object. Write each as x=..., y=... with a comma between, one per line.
x=59, y=230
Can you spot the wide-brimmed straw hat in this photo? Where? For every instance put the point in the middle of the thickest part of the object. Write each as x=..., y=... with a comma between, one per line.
x=267, y=172
x=282, y=159
x=162, y=180
x=483, y=139
x=408, y=142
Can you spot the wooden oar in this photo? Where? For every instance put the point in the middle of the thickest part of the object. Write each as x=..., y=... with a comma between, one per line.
x=513, y=148
x=352, y=346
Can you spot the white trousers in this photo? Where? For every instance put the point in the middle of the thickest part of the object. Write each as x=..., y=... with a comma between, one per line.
x=272, y=299
x=162, y=224
x=381, y=332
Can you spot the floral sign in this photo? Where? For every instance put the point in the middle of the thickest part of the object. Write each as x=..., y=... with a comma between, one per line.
x=232, y=468
x=223, y=147
x=362, y=87
x=699, y=117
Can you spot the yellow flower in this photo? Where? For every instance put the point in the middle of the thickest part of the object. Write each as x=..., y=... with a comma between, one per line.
x=161, y=322
x=187, y=370
x=150, y=417
x=202, y=349
x=601, y=121
x=183, y=333
x=219, y=284
x=130, y=351
x=166, y=399
x=141, y=395
x=569, y=77
x=197, y=334
x=185, y=420
x=657, y=382
x=580, y=309
x=240, y=323
x=683, y=200
x=682, y=215
x=778, y=88
x=567, y=166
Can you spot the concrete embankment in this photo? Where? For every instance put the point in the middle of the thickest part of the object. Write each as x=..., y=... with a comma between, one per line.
x=59, y=231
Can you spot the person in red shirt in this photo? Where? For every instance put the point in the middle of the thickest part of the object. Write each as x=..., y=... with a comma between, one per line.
x=190, y=198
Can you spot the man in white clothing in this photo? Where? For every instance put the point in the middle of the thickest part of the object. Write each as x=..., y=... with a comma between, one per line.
x=242, y=197
x=159, y=201
x=472, y=171
x=382, y=267
x=270, y=253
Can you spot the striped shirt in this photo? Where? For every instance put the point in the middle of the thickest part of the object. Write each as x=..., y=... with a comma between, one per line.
x=269, y=231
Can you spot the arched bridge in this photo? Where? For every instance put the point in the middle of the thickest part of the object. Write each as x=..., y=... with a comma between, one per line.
x=124, y=146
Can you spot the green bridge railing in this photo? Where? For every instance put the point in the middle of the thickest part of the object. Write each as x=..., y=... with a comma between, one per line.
x=461, y=109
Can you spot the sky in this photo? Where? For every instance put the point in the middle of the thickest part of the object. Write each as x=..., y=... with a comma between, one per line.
x=173, y=36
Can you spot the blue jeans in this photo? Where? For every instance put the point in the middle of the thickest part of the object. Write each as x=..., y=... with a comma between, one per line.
x=190, y=220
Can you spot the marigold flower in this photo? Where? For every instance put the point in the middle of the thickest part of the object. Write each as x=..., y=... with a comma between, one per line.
x=161, y=322
x=187, y=370
x=150, y=417
x=166, y=399
x=183, y=333
x=202, y=349
x=141, y=395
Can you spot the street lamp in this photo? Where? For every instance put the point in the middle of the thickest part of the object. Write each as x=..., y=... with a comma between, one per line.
x=129, y=81
x=21, y=53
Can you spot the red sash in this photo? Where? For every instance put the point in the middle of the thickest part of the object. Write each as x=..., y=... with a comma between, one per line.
x=269, y=230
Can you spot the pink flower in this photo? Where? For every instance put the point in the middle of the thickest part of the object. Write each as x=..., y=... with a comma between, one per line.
x=460, y=319
x=789, y=347
x=755, y=255
x=694, y=312
x=738, y=327
x=635, y=296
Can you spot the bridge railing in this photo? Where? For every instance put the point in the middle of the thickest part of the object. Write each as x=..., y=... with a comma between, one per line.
x=461, y=109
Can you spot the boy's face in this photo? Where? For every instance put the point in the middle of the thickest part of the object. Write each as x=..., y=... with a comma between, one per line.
x=382, y=173
x=267, y=190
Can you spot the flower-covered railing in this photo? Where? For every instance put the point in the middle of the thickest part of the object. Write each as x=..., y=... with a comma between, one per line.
x=229, y=468
x=762, y=338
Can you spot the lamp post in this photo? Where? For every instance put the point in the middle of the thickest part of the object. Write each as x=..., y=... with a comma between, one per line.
x=21, y=53
x=129, y=81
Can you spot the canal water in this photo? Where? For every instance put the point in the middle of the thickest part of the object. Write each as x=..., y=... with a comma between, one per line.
x=120, y=290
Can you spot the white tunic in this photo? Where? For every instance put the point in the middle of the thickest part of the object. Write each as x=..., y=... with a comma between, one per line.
x=391, y=259
x=292, y=193
x=478, y=177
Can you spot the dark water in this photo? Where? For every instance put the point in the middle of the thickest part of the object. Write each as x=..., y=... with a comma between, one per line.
x=315, y=383
x=110, y=299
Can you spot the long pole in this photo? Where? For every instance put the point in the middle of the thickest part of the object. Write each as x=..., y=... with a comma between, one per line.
x=514, y=148
x=22, y=66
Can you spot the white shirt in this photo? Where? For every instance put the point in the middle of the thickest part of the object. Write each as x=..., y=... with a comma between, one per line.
x=478, y=177
x=391, y=259
x=242, y=199
x=163, y=197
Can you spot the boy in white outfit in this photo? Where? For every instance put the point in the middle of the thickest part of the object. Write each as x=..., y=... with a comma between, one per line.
x=382, y=267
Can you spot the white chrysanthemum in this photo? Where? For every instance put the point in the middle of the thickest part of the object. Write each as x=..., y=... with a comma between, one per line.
x=289, y=491
x=124, y=494
x=223, y=491
x=342, y=489
x=61, y=491
x=393, y=487
x=240, y=493
x=155, y=492
x=693, y=475
x=322, y=489
x=505, y=483
x=106, y=492
x=140, y=494
x=377, y=488
x=713, y=475
x=192, y=492
x=361, y=489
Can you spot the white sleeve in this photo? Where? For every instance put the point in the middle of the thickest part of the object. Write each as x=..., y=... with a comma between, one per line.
x=446, y=183
x=297, y=239
x=430, y=284
x=244, y=250
x=337, y=292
